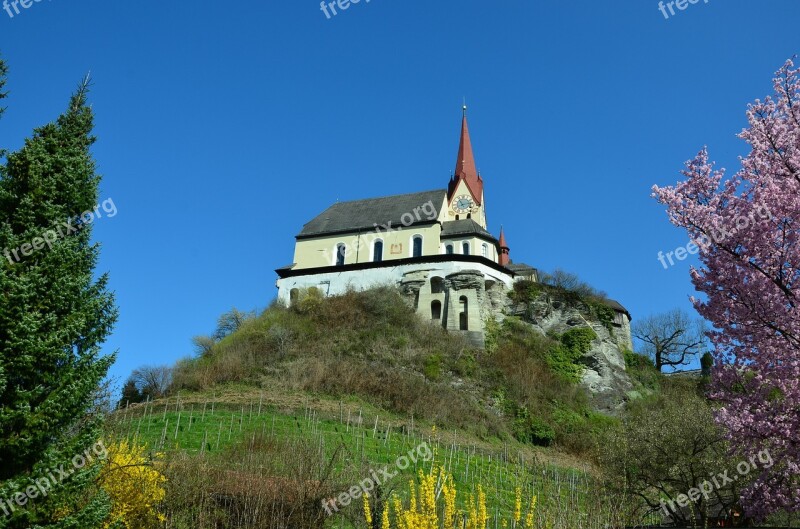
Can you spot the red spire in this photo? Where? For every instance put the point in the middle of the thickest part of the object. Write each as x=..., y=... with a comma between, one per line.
x=504, y=249
x=465, y=165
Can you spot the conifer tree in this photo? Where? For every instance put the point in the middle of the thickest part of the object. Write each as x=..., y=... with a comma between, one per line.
x=54, y=315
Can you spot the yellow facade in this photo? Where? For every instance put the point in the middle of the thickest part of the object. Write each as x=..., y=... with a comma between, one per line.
x=360, y=247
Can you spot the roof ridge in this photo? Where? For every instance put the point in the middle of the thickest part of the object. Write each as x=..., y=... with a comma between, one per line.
x=390, y=196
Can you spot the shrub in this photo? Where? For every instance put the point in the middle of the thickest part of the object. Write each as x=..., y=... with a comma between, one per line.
x=540, y=433
x=642, y=370
x=433, y=367
x=564, y=358
x=525, y=291
x=134, y=485
x=604, y=314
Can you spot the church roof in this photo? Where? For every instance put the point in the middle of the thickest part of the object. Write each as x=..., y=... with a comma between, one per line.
x=396, y=211
x=459, y=228
x=502, y=243
x=466, y=169
x=522, y=269
x=617, y=306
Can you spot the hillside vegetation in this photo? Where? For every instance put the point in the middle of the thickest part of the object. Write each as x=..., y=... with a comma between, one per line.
x=283, y=410
x=372, y=346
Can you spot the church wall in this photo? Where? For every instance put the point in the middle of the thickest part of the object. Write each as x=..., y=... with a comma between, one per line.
x=475, y=244
x=397, y=244
x=335, y=283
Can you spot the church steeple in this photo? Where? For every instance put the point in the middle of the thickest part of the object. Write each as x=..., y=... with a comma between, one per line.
x=504, y=249
x=466, y=170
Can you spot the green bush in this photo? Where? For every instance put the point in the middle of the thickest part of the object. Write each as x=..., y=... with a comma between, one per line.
x=642, y=371
x=531, y=429
x=465, y=365
x=525, y=291
x=604, y=314
x=579, y=340
x=433, y=367
x=541, y=433
x=492, y=334
x=563, y=358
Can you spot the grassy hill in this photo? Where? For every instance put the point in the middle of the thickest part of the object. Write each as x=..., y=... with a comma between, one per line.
x=326, y=392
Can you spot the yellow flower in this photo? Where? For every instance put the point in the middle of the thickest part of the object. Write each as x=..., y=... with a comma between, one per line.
x=385, y=520
x=134, y=486
x=367, y=511
x=529, y=516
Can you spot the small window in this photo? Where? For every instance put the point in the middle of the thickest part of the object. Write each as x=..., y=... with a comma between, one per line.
x=485, y=250
x=377, y=252
x=340, y=254
x=463, y=316
x=449, y=249
x=436, y=310
x=469, y=215
x=458, y=217
x=417, y=252
x=465, y=248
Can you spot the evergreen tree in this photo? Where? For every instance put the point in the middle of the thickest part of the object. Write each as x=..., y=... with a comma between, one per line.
x=54, y=315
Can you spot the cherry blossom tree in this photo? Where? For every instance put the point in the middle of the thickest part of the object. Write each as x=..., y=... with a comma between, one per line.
x=747, y=232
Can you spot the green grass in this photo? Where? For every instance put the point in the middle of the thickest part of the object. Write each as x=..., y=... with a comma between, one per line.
x=223, y=426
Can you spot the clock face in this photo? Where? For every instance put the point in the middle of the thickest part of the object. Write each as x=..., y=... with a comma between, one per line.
x=462, y=204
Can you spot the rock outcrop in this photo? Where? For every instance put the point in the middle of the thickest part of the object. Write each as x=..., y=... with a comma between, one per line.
x=604, y=375
x=465, y=300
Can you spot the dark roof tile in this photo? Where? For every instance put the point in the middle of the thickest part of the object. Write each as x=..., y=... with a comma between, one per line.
x=365, y=214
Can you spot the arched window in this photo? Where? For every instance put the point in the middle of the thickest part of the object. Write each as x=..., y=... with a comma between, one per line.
x=458, y=217
x=437, y=285
x=417, y=248
x=465, y=248
x=448, y=249
x=436, y=310
x=340, y=254
x=377, y=251
x=469, y=215
x=485, y=250
x=463, y=315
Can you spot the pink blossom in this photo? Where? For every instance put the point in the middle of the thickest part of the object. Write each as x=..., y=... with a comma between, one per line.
x=750, y=286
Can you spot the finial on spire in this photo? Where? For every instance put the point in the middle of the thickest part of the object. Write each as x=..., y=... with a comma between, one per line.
x=464, y=107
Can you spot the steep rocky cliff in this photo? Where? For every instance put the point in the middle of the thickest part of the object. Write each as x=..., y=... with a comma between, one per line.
x=553, y=312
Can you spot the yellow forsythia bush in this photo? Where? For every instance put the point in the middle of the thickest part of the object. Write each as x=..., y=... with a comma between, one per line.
x=422, y=511
x=134, y=485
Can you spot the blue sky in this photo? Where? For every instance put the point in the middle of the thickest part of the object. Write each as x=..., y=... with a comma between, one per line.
x=224, y=126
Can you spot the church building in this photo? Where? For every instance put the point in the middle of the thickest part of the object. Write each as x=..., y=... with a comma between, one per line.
x=434, y=245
